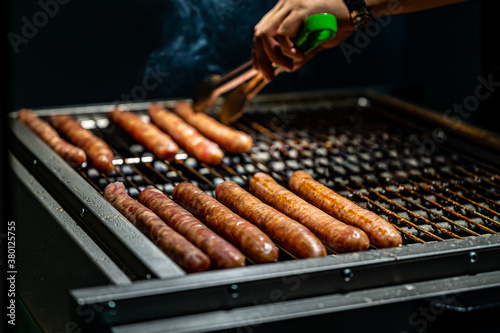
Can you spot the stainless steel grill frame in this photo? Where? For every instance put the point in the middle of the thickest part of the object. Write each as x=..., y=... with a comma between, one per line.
x=155, y=281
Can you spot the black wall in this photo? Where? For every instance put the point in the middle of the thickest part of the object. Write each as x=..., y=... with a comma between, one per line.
x=65, y=52
x=101, y=51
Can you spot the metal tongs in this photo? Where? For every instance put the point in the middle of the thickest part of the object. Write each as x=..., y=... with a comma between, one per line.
x=316, y=30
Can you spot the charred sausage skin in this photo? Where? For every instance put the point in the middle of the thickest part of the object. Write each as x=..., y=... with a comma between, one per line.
x=381, y=232
x=150, y=136
x=179, y=249
x=185, y=135
x=334, y=233
x=291, y=235
x=255, y=244
x=231, y=140
x=221, y=253
x=96, y=149
x=71, y=154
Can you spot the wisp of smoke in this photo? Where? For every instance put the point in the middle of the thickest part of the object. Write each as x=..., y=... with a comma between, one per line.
x=203, y=37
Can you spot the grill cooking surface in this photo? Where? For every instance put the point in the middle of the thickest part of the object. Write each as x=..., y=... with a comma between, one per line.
x=438, y=183
x=403, y=173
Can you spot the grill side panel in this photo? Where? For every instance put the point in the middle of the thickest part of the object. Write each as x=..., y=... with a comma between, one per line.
x=132, y=251
x=53, y=254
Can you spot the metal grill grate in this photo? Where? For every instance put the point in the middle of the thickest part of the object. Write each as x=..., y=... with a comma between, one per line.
x=403, y=173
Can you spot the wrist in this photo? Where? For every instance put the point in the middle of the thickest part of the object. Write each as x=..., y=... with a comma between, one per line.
x=360, y=14
x=380, y=8
x=345, y=17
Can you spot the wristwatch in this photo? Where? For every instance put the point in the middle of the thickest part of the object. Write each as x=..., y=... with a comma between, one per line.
x=360, y=15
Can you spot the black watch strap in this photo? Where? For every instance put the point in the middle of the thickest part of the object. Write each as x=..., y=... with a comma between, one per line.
x=360, y=15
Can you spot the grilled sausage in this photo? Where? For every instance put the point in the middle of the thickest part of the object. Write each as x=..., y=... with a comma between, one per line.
x=381, y=232
x=71, y=154
x=185, y=135
x=227, y=138
x=96, y=149
x=255, y=244
x=179, y=249
x=335, y=234
x=146, y=133
x=221, y=253
x=291, y=235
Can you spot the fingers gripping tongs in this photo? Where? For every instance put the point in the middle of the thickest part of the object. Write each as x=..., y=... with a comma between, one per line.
x=316, y=30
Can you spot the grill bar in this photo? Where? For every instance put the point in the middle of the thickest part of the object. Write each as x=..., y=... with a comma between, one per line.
x=477, y=178
x=471, y=179
x=425, y=209
x=391, y=216
x=439, y=206
x=410, y=213
x=474, y=203
x=456, y=205
x=89, y=180
x=468, y=192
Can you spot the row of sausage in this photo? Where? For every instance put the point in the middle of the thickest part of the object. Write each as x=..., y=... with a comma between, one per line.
x=200, y=232
x=200, y=135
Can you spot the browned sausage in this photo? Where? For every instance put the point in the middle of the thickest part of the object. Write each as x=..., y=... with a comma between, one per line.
x=146, y=133
x=381, y=232
x=255, y=244
x=96, y=149
x=221, y=253
x=185, y=135
x=179, y=249
x=227, y=138
x=335, y=234
x=290, y=234
x=71, y=154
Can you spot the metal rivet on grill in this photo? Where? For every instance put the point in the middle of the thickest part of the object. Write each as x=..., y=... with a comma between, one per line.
x=233, y=289
x=111, y=308
x=35, y=163
x=347, y=274
x=473, y=256
x=363, y=102
x=439, y=135
x=83, y=212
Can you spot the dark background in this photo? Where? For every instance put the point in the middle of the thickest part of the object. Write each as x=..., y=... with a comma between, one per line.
x=101, y=51
x=66, y=52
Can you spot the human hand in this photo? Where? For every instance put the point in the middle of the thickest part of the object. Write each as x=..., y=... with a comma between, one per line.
x=274, y=33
